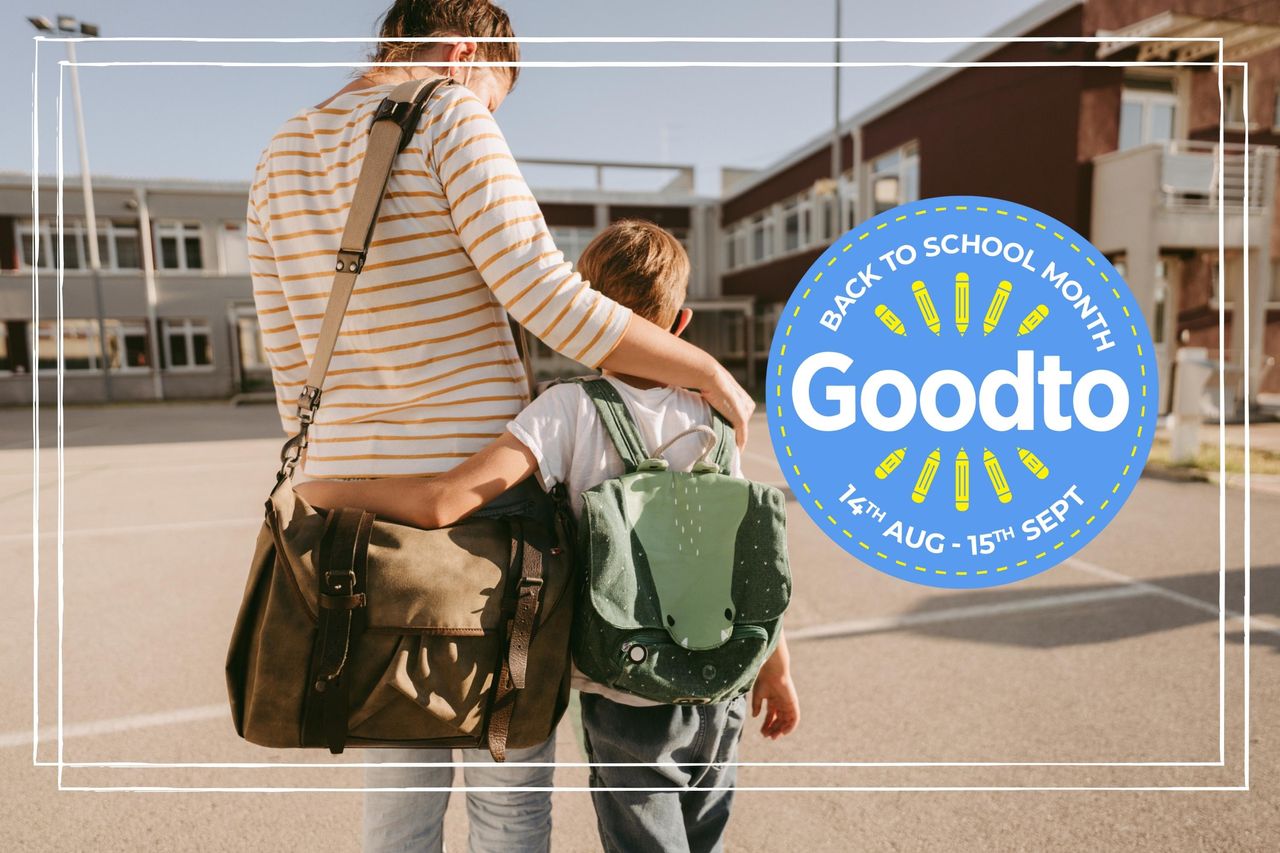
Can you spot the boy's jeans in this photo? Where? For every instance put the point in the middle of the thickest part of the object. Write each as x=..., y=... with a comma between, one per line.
x=499, y=822
x=679, y=738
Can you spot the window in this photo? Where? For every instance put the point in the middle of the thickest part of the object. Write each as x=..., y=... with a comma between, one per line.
x=117, y=244
x=795, y=225
x=187, y=345
x=233, y=249
x=15, y=349
x=735, y=246
x=81, y=348
x=849, y=204
x=1148, y=109
x=571, y=240
x=760, y=237
x=178, y=246
x=1233, y=102
x=895, y=179
x=253, y=356
x=730, y=241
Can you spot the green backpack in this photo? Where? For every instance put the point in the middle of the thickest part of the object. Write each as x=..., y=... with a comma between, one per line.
x=684, y=575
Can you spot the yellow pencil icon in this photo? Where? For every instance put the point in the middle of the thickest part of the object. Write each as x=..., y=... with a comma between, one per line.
x=890, y=320
x=996, y=473
x=998, y=300
x=1035, y=318
x=962, y=481
x=890, y=463
x=925, y=480
x=962, y=302
x=1033, y=463
x=927, y=308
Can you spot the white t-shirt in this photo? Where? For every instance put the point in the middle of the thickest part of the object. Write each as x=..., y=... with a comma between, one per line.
x=563, y=431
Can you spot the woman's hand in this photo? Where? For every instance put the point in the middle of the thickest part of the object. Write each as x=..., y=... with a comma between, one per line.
x=730, y=399
x=653, y=353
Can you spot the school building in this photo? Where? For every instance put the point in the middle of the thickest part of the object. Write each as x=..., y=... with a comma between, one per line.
x=178, y=322
x=1127, y=155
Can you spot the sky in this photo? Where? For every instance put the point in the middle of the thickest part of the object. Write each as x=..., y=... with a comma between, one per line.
x=212, y=122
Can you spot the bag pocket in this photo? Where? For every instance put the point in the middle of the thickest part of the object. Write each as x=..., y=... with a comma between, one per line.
x=431, y=687
x=648, y=664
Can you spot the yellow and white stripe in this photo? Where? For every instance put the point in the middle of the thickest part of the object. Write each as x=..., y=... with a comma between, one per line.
x=425, y=372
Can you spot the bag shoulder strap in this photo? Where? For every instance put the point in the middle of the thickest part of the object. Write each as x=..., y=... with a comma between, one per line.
x=725, y=439
x=625, y=435
x=394, y=123
x=617, y=421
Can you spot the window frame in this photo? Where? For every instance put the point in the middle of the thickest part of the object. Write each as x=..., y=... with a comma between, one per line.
x=1233, y=108
x=75, y=228
x=900, y=165
x=188, y=328
x=118, y=329
x=179, y=230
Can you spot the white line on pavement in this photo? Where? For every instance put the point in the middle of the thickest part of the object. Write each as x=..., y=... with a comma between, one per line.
x=210, y=524
x=876, y=625
x=115, y=725
x=1257, y=622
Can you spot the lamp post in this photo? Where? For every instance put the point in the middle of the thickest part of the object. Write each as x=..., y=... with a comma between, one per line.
x=68, y=25
x=835, y=109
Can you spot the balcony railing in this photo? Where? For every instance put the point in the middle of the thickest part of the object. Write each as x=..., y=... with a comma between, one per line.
x=609, y=175
x=1190, y=178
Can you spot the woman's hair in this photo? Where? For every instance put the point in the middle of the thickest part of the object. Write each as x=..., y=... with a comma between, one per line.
x=463, y=18
x=640, y=265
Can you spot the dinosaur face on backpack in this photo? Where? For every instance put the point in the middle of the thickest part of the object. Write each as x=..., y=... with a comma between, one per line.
x=687, y=525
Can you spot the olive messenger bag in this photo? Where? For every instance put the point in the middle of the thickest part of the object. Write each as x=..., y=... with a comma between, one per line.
x=354, y=631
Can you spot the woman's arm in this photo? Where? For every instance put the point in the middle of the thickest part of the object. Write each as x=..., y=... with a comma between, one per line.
x=505, y=236
x=436, y=502
x=651, y=352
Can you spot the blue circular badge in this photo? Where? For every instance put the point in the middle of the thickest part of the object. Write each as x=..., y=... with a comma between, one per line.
x=962, y=392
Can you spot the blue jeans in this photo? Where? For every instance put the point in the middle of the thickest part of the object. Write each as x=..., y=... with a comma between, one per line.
x=498, y=822
x=676, y=738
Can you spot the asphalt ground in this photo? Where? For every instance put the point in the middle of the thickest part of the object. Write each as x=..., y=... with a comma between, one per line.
x=1107, y=672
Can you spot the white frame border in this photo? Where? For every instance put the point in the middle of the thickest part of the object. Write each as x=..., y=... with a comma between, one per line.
x=63, y=64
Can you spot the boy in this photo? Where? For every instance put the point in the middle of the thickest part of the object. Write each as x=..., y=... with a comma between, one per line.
x=559, y=438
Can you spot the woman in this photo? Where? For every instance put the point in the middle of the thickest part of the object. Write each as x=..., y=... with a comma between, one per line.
x=425, y=372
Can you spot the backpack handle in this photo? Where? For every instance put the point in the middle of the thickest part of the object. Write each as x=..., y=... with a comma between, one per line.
x=709, y=442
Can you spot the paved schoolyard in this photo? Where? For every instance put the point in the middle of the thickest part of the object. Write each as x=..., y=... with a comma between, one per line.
x=1111, y=658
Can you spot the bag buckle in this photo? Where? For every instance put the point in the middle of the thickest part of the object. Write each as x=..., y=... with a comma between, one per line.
x=349, y=261
x=308, y=402
x=392, y=110
x=529, y=587
x=331, y=582
x=403, y=113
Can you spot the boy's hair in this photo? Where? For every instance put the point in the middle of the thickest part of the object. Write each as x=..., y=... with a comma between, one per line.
x=640, y=265
x=463, y=18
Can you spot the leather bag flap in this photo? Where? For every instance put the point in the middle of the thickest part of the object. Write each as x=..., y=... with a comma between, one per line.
x=434, y=581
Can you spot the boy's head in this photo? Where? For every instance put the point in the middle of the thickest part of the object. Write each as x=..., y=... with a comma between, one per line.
x=639, y=265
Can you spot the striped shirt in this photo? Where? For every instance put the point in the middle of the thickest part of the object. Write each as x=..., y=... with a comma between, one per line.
x=425, y=371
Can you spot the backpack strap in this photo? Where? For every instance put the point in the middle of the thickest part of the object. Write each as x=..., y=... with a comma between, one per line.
x=617, y=421
x=723, y=456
